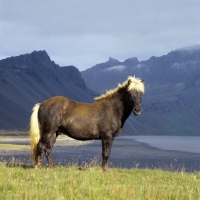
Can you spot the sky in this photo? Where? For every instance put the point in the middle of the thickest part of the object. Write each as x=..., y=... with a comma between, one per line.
x=84, y=33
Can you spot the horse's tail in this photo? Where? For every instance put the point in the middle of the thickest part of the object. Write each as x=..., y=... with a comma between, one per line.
x=34, y=132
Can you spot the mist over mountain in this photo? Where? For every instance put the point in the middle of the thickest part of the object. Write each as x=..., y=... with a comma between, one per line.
x=172, y=90
x=32, y=78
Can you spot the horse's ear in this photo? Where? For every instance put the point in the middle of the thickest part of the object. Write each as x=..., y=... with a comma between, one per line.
x=129, y=81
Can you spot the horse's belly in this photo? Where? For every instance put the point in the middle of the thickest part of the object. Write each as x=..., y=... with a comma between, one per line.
x=81, y=132
x=83, y=136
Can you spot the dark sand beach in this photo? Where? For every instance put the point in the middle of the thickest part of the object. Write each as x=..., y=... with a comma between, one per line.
x=124, y=154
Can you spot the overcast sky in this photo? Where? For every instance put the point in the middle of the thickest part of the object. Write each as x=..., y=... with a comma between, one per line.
x=86, y=32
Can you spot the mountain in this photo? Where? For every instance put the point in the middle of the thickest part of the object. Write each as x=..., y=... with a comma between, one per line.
x=170, y=103
x=172, y=90
x=32, y=78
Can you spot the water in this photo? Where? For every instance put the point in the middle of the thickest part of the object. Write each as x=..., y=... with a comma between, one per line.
x=189, y=144
x=173, y=153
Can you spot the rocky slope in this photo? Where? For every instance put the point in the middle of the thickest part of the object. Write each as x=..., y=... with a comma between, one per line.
x=32, y=78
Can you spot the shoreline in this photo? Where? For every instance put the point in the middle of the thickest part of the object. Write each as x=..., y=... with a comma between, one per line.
x=187, y=144
x=124, y=154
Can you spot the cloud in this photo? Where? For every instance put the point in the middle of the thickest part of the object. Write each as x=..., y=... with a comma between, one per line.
x=139, y=66
x=84, y=33
x=190, y=48
x=118, y=68
x=176, y=66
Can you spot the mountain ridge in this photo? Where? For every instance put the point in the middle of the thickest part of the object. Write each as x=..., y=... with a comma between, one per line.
x=32, y=78
x=172, y=89
x=170, y=103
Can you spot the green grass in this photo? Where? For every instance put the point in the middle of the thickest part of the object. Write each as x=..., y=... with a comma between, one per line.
x=13, y=147
x=25, y=182
x=13, y=132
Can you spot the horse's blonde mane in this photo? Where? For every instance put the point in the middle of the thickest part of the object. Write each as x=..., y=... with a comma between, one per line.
x=134, y=84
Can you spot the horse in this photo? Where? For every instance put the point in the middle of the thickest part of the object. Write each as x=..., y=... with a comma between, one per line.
x=101, y=120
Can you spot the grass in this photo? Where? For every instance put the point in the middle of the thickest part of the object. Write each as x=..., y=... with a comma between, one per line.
x=73, y=182
x=13, y=147
x=13, y=132
x=19, y=181
x=6, y=135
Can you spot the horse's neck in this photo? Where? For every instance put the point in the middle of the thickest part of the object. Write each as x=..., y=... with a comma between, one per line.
x=121, y=108
x=126, y=114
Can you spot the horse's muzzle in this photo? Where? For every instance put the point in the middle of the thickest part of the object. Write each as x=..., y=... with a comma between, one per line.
x=137, y=110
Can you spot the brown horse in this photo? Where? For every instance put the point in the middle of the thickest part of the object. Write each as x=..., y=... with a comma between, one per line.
x=101, y=120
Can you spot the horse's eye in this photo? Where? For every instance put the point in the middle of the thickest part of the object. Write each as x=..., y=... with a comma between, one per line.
x=130, y=97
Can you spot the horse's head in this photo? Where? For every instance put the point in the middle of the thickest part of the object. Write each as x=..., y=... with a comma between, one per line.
x=134, y=94
x=134, y=99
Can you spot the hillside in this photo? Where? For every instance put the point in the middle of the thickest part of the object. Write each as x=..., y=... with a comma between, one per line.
x=171, y=100
x=32, y=78
x=170, y=103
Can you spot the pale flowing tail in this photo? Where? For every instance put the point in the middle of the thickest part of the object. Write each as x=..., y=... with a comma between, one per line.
x=34, y=132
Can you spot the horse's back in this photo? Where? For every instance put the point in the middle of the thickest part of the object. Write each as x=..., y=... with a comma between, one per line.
x=50, y=112
x=59, y=102
x=59, y=110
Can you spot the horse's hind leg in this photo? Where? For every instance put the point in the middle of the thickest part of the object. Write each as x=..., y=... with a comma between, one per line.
x=45, y=145
x=49, y=145
x=40, y=150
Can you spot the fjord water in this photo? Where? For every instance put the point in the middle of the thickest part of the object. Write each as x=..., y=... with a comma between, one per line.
x=190, y=144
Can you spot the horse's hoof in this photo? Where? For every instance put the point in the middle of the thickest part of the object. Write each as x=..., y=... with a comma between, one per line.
x=38, y=167
x=104, y=169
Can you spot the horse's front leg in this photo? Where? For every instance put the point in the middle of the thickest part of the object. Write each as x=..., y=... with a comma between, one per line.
x=106, y=149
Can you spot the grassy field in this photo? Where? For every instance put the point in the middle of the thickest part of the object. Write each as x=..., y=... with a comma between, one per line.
x=13, y=132
x=25, y=182
x=6, y=136
x=13, y=147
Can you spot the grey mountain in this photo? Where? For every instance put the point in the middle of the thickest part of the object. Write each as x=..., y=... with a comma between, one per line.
x=171, y=100
x=32, y=78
